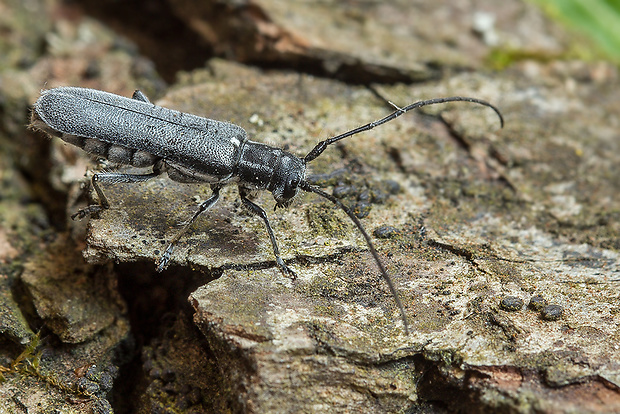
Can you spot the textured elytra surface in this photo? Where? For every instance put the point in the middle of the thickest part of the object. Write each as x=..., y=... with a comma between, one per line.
x=189, y=140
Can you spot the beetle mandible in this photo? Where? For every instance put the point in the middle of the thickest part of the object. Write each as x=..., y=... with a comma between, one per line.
x=193, y=149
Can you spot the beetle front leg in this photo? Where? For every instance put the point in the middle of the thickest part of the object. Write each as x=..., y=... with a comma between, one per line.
x=109, y=178
x=138, y=95
x=204, y=206
x=258, y=211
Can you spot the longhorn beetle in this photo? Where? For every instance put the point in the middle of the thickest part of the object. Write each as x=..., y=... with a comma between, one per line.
x=192, y=149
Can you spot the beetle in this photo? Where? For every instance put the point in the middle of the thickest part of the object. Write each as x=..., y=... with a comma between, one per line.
x=193, y=149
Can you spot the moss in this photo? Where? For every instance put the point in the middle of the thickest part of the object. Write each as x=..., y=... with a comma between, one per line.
x=324, y=220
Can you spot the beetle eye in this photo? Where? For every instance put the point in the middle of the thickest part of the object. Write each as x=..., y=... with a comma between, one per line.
x=291, y=187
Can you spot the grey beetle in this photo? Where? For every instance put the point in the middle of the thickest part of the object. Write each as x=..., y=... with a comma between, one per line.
x=192, y=149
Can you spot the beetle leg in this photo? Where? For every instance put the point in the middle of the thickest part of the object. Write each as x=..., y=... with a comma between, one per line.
x=138, y=95
x=110, y=178
x=204, y=206
x=258, y=211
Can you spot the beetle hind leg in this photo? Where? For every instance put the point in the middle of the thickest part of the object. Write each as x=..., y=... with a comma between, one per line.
x=109, y=178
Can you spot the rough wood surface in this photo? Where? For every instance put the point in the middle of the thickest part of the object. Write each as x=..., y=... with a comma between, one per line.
x=503, y=243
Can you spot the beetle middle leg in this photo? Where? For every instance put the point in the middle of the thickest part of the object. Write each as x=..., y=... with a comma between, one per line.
x=204, y=206
x=258, y=211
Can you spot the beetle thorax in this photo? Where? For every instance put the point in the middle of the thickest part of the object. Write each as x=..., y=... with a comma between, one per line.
x=264, y=167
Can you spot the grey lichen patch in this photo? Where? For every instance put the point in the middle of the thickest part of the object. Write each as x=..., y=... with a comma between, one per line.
x=564, y=374
x=74, y=299
x=277, y=303
x=146, y=217
x=323, y=220
x=304, y=324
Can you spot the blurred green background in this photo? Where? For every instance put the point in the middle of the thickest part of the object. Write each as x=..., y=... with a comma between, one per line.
x=597, y=19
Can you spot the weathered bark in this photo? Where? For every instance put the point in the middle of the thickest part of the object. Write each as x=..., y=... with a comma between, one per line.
x=472, y=221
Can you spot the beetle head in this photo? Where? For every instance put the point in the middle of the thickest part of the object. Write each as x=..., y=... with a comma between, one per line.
x=286, y=178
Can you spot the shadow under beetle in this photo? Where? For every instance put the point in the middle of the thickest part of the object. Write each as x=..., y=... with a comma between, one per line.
x=192, y=149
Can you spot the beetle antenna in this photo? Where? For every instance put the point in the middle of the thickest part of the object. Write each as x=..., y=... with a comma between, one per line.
x=307, y=187
x=320, y=147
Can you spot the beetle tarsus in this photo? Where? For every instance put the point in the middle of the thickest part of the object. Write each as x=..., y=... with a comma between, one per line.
x=285, y=269
x=165, y=258
x=87, y=211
